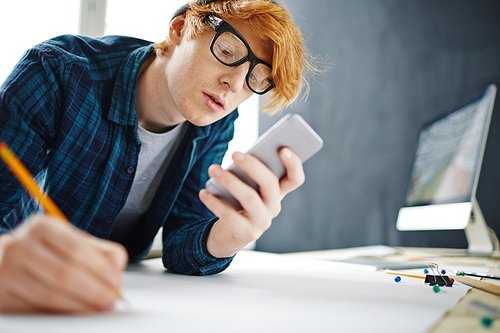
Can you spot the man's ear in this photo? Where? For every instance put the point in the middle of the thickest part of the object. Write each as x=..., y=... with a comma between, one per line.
x=175, y=29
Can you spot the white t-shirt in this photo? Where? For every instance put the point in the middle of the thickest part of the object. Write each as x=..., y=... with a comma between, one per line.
x=156, y=153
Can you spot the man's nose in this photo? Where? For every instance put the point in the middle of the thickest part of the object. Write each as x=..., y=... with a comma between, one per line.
x=235, y=77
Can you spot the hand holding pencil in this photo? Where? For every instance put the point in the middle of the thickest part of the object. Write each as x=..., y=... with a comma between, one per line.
x=46, y=265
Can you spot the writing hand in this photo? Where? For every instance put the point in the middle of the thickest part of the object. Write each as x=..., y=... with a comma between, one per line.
x=49, y=266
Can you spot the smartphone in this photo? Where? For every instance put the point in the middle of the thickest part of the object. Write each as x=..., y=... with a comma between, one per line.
x=291, y=131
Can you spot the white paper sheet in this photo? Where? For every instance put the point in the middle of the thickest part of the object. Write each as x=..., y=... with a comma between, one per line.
x=259, y=292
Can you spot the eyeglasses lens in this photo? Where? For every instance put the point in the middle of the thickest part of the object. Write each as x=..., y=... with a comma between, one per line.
x=229, y=49
x=259, y=79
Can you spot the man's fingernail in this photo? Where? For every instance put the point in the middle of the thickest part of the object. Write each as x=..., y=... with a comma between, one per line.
x=237, y=156
x=287, y=153
x=216, y=170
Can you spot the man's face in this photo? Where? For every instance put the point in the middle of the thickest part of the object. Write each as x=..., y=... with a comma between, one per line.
x=199, y=88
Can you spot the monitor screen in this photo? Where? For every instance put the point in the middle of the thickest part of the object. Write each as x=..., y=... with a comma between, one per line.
x=449, y=153
x=441, y=192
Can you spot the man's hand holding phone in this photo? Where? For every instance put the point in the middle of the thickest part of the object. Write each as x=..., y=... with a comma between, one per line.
x=237, y=228
x=247, y=196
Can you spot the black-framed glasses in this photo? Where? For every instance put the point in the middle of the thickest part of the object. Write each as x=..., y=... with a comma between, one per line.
x=230, y=48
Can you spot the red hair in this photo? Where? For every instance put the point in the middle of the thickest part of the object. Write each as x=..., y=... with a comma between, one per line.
x=271, y=22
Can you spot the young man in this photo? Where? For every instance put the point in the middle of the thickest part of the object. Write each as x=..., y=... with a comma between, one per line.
x=123, y=135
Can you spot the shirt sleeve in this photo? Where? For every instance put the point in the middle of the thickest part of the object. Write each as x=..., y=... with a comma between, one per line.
x=186, y=230
x=29, y=100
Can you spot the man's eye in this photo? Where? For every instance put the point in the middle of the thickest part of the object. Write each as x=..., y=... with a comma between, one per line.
x=257, y=76
x=227, y=53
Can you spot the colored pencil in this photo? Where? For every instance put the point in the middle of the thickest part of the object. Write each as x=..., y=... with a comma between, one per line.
x=418, y=276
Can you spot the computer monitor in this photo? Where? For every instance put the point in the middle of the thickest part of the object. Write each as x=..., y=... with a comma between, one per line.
x=441, y=192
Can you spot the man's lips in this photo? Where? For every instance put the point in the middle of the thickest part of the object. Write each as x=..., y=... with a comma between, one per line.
x=214, y=102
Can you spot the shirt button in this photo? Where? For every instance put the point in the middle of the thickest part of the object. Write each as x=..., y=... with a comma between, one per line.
x=130, y=169
x=109, y=220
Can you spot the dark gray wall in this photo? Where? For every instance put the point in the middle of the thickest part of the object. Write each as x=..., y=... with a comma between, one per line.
x=394, y=65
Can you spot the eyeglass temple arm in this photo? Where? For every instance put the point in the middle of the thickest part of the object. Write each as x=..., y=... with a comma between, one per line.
x=213, y=21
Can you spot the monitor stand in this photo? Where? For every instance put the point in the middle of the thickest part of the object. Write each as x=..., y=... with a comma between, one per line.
x=476, y=231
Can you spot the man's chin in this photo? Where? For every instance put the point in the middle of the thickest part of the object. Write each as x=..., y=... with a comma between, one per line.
x=205, y=121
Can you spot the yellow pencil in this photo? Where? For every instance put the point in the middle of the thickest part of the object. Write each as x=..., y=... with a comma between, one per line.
x=418, y=276
x=26, y=179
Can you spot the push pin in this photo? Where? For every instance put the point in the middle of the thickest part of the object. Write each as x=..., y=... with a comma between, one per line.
x=486, y=321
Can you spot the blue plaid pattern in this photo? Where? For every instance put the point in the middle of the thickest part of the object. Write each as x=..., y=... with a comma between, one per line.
x=68, y=111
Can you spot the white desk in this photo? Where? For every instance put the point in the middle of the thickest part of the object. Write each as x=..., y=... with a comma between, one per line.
x=259, y=292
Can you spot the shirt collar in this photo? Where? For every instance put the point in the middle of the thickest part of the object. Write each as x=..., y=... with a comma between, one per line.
x=122, y=108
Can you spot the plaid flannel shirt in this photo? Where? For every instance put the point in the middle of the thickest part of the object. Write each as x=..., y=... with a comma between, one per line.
x=68, y=111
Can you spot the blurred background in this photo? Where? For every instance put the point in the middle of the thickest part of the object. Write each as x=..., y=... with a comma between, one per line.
x=393, y=65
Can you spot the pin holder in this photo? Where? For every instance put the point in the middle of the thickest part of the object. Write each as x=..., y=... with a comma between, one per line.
x=440, y=280
x=435, y=279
